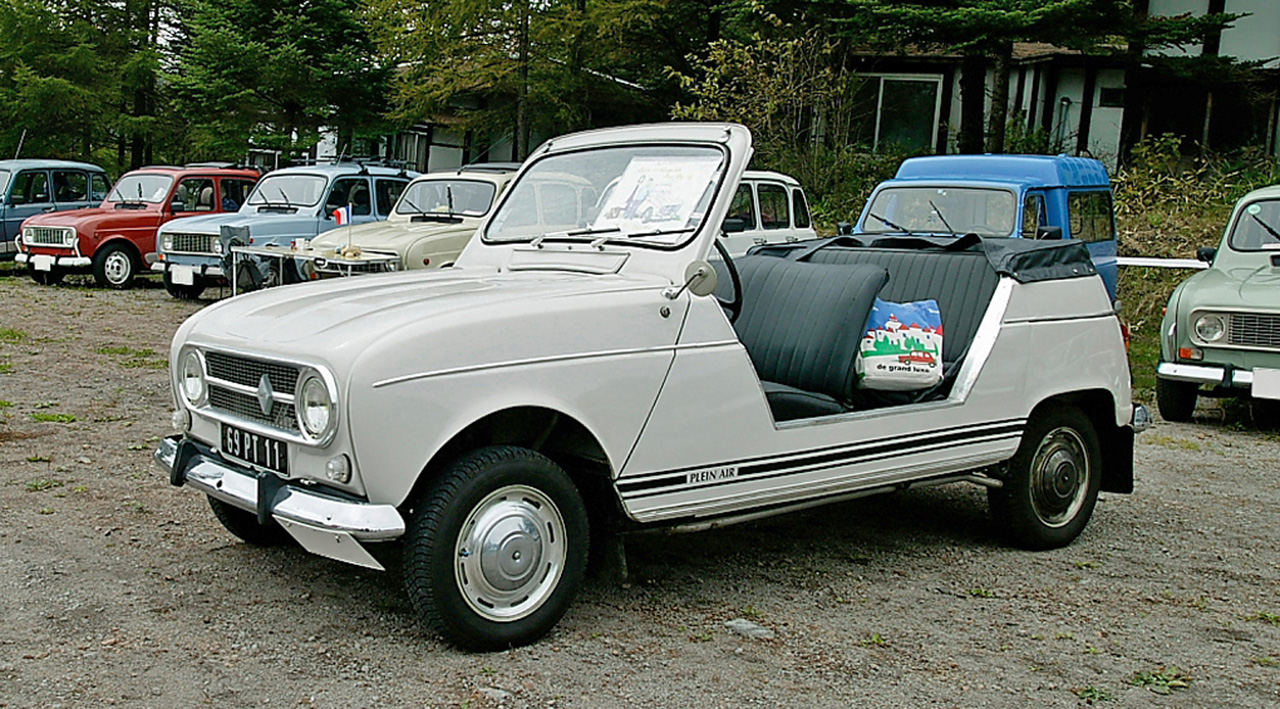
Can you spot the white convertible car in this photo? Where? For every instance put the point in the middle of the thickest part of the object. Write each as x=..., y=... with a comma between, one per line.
x=571, y=378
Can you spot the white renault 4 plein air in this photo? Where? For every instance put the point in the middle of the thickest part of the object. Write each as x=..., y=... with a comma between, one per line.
x=569, y=378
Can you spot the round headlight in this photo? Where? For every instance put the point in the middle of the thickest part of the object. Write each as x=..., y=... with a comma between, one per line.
x=1210, y=328
x=217, y=246
x=69, y=237
x=315, y=406
x=192, y=379
x=166, y=242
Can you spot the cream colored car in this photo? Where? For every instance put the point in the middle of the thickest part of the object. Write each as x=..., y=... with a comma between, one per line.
x=433, y=220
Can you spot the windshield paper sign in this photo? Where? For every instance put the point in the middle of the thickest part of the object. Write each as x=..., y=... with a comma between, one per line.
x=657, y=193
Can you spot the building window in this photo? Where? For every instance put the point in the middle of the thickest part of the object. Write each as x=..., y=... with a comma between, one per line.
x=899, y=110
x=1111, y=97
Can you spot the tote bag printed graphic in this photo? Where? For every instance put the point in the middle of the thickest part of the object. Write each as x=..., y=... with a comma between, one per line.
x=902, y=349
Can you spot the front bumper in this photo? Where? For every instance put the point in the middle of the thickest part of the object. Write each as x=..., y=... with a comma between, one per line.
x=204, y=270
x=1227, y=377
x=324, y=523
x=58, y=261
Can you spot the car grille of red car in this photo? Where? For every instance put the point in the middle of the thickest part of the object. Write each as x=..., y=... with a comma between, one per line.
x=1254, y=330
x=45, y=236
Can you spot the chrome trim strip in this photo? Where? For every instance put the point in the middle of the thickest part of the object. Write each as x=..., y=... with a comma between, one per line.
x=553, y=358
x=278, y=394
x=253, y=426
x=1203, y=374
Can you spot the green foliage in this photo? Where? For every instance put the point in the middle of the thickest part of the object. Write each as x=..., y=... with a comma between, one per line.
x=1165, y=680
x=41, y=484
x=54, y=418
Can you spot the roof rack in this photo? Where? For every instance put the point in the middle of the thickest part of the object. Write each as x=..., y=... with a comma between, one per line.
x=223, y=165
x=490, y=167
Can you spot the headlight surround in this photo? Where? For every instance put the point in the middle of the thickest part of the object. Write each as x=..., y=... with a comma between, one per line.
x=316, y=406
x=166, y=242
x=191, y=378
x=1210, y=327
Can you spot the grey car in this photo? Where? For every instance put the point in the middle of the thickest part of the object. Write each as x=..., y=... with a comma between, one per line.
x=33, y=186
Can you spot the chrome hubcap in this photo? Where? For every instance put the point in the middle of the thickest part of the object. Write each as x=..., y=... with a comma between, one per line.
x=117, y=267
x=510, y=553
x=1060, y=475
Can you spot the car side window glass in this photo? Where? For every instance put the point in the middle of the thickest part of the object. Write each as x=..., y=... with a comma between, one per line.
x=70, y=186
x=1032, y=214
x=234, y=193
x=389, y=192
x=353, y=191
x=98, y=187
x=801, y=209
x=743, y=207
x=1090, y=216
x=31, y=188
x=775, y=208
x=194, y=194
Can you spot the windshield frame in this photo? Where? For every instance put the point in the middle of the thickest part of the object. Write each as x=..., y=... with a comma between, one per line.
x=5, y=176
x=130, y=199
x=605, y=234
x=1013, y=220
x=1242, y=214
x=410, y=212
x=269, y=202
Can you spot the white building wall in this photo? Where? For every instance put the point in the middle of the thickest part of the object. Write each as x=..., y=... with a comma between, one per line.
x=1170, y=8
x=1253, y=38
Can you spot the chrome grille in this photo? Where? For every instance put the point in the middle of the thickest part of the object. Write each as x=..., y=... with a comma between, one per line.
x=192, y=243
x=246, y=406
x=1254, y=330
x=46, y=236
x=248, y=372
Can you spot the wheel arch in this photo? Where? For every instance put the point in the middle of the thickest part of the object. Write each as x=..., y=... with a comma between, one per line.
x=110, y=240
x=1116, y=442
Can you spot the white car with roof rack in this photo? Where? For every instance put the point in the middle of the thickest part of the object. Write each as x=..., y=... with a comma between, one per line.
x=575, y=376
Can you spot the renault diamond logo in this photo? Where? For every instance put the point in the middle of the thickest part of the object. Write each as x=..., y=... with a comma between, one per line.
x=266, y=397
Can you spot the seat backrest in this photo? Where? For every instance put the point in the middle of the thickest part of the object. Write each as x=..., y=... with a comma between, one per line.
x=204, y=201
x=962, y=284
x=802, y=322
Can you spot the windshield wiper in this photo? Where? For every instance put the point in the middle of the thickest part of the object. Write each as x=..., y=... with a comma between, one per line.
x=944, y=219
x=575, y=234
x=890, y=224
x=1272, y=232
x=283, y=196
x=660, y=232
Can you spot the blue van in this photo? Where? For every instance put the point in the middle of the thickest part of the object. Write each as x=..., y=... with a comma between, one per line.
x=1025, y=196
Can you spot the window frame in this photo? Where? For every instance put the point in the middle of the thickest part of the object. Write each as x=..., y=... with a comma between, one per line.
x=935, y=79
x=773, y=187
x=48, y=185
x=1071, y=214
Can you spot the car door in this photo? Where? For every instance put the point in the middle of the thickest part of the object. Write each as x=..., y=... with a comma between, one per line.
x=1091, y=219
x=29, y=195
x=743, y=209
x=775, y=213
x=385, y=196
x=349, y=191
x=70, y=190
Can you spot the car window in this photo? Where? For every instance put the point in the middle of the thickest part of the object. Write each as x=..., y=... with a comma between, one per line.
x=194, y=194
x=144, y=187
x=4, y=180
x=1257, y=227
x=743, y=206
x=353, y=191
x=289, y=190
x=98, y=186
x=1090, y=216
x=560, y=206
x=31, y=188
x=388, y=192
x=1032, y=214
x=801, y=209
x=469, y=198
x=70, y=186
x=775, y=208
x=942, y=210
x=234, y=193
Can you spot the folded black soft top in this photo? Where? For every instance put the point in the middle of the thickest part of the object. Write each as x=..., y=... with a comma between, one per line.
x=1024, y=260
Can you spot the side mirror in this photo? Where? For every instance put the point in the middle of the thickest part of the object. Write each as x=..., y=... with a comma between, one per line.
x=733, y=225
x=1206, y=253
x=844, y=229
x=1049, y=232
x=700, y=278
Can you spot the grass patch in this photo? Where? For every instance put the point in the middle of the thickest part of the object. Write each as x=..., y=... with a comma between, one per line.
x=145, y=363
x=54, y=418
x=981, y=592
x=8, y=334
x=5, y=404
x=112, y=350
x=1165, y=680
x=38, y=459
x=6, y=368
x=1089, y=695
x=873, y=640
x=42, y=484
x=1263, y=616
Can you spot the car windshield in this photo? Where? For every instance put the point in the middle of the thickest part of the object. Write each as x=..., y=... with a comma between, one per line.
x=141, y=188
x=941, y=210
x=288, y=190
x=1257, y=227
x=654, y=194
x=468, y=198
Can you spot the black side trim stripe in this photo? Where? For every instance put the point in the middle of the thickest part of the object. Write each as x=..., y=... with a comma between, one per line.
x=876, y=450
x=847, y=447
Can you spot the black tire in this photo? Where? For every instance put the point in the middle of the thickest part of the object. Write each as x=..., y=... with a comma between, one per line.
x=114, y=266
x=1176, y=400
x=1265, y=413
x=46, y=278
x=519, y=503
x=181, y=292
x=245, y=525
x=1053, y=481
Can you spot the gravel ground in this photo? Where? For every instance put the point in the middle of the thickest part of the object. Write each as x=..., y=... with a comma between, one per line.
x=117, y=589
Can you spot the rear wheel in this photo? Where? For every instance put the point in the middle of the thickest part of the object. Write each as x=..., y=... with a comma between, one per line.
x=114, y=266
x=1053, y=481
x=183, y=292
x=1176, y=400
x=496, y=549
x=46, y=278
x=245, y=525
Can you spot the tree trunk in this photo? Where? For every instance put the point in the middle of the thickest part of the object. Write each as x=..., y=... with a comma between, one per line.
x=973, y=98
x=1000, y=99
x=1132, y=123
x=522, y=98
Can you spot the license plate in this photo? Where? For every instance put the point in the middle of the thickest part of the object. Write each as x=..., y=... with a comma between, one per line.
x=182, y=275
x=42, y=262
x=255, y=449
x=1266, y=384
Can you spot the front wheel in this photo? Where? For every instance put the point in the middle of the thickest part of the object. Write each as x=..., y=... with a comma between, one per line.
x=496, y=549
x=1176, y=400
x=1053, y=481
x=245, y=525
x=114, y=266
x=183, y=292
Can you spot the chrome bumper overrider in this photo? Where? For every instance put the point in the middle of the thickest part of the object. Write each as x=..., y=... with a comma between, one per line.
x=321, y=522
x=1206, y=374
x=63, y=261
x=1142, y=418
